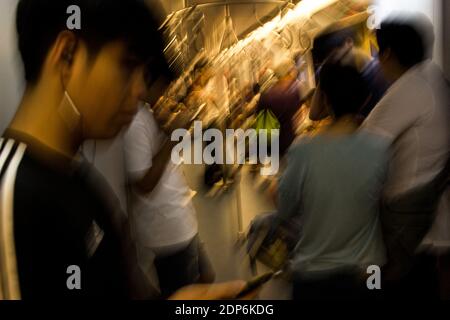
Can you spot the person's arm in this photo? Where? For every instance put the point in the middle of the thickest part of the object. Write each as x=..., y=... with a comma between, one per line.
x=148, y=182
x=143, y=165
x=146, y=168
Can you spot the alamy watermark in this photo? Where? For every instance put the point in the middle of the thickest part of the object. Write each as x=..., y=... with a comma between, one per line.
x=74, y=279
x=375, y=17
x=235, y=146
x=74, y=20
x=373, y=282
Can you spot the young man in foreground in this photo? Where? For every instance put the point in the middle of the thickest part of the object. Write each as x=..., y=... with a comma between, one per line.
x=81, y=84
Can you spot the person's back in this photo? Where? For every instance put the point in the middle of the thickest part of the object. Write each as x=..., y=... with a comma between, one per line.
x=333, y=183
x=342, y=179
x=414, y=115
x=164, y=216
x=415, y=112
x=162, y=211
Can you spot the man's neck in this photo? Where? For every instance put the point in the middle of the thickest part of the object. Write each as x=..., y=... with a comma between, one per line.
x=38, y=117
x=398, y=73
x=342, y=126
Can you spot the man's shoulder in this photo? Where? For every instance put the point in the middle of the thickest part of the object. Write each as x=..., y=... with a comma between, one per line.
x=373, y=146
x=372, y=140
x=301, y=143
x=302, y=146
x=36, y=178
x=17, y=168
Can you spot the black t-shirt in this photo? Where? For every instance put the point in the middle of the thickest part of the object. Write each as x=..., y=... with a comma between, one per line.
x=60, y=219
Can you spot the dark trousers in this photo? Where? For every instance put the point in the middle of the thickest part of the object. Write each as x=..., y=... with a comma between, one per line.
x=179, y=269
x=421, y=282
x=346, y=285
x=444, y=275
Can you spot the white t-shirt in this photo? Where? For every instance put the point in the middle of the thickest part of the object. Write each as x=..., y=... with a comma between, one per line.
x=414, y=115
x=165, y=216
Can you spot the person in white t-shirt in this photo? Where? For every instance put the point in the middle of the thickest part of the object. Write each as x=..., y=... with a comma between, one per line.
x=164, y=218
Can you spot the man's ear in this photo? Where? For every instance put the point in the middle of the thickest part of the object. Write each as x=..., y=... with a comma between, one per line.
x=62, y=54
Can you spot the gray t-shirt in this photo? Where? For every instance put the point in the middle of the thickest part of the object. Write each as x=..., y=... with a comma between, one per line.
x=334, y=183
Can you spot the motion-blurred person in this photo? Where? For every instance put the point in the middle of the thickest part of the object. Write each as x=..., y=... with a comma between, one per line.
x=284, y=100
x=200, y=93
x=162, y=211
x=345, y=46
x=332, y=184
x=60, y=237
x=415, y=116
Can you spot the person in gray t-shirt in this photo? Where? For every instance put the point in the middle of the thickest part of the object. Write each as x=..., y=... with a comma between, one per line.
x=333, y=183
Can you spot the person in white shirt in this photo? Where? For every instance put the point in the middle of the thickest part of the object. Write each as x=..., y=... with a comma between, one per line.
x=414, y=116
x=164, y=218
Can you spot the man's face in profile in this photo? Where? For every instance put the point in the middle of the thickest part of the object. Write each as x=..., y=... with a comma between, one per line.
x=106, y=88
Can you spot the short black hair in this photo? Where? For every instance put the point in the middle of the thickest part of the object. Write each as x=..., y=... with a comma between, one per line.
x=404, y=40
x=39, y=22
x=344, y=87
x=325, y=43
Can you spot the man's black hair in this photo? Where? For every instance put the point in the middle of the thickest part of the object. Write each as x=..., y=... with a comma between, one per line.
x=39, y=22
x=404, y=40
x=325, y=44
x=345, y=88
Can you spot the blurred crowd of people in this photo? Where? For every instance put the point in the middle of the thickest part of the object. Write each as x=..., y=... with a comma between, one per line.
x=364, y=186
x=369, y=185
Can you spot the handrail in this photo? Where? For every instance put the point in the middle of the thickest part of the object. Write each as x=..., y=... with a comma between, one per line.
x=224, y=3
